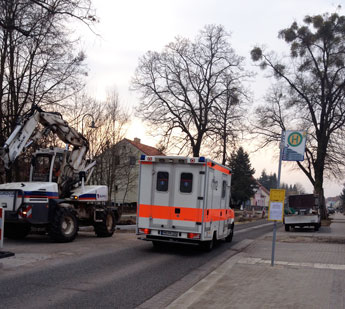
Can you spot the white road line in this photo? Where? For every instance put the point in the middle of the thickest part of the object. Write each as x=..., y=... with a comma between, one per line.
x=251, y=228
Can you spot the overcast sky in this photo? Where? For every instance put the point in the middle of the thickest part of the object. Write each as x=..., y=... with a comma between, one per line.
x=130, y=28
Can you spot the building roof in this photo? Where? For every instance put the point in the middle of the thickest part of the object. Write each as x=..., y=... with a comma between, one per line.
x=263, y=188
x=145, y=149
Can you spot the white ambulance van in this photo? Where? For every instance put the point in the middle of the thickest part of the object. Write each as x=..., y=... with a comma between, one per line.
x=185, y=200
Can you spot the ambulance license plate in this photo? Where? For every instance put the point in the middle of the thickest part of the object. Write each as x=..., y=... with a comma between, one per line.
x=169, y=233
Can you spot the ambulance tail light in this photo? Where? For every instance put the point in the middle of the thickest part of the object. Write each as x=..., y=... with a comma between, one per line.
x=145, y=231
x=193, y=235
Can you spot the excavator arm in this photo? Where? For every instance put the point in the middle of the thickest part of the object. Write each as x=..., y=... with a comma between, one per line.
x=23, y=135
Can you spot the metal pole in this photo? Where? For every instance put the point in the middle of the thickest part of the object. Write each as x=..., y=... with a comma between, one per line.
x=2, y=220
x=281, y=146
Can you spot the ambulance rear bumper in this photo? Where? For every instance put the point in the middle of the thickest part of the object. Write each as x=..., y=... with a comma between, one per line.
x=170, y=240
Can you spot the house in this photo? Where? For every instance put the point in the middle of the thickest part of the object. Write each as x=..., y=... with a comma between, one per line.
x=261, y=197
x=119, y=169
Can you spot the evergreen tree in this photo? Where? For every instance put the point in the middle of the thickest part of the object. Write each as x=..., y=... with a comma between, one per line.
x=268, y=181
x=243, y=184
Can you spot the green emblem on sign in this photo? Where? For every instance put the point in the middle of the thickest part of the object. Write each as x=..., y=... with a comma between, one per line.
x=295, y=139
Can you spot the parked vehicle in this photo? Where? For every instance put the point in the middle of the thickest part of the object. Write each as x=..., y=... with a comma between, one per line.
x=57, y=197
x=302, y=210
x=184, y=200
x=331, y=210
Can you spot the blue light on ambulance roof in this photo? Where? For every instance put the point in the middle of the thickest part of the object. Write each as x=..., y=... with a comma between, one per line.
x=142, y=157
x=202, y=159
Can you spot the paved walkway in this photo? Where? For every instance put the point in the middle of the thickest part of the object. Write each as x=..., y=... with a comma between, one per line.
x=309, y=272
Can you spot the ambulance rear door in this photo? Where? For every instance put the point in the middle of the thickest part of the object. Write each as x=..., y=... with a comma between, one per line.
x=162, y=197
x=187, y=197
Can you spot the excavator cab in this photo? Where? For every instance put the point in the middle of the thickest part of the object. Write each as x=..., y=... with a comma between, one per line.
x=46, y=165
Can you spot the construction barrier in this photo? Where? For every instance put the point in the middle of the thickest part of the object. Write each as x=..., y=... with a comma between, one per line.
x=3, y=254
x=2, y=219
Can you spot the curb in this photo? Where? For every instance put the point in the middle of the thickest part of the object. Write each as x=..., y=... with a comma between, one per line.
x=200, y=288
x=178, y=289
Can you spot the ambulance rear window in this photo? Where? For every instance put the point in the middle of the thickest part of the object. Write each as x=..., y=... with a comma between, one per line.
x=186, y=183
x=162, y=181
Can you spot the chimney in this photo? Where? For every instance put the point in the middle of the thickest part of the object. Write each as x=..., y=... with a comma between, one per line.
x=136, y=140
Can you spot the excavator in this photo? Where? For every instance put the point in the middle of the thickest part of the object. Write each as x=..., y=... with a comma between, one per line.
x=57, y=198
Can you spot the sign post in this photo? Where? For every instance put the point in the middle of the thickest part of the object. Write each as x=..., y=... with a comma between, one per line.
x=275, y=213
x=2, y=219
x=292, y=148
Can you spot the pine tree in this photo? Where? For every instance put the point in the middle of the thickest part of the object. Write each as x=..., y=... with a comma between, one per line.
x=268, y=181
x=243, y=184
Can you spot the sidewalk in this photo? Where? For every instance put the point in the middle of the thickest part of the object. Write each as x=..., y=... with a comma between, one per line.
x=309, y=272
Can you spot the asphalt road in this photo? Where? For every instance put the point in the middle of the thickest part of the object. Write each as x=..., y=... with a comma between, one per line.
x=117, y=272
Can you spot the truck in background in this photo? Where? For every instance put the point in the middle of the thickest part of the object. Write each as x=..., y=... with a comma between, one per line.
x=184, y=200
x=302, y=210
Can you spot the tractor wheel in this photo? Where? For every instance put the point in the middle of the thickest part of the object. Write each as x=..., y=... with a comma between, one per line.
x=231, y=234
x=16, y=231
x=106, y=227
x=64, y=225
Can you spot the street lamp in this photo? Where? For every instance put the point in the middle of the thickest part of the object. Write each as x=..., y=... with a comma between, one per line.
x=91, y=126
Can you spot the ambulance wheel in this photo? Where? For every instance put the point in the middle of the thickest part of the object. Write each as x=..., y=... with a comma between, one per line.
x=231, y=234
x=105, y=228
x=287, y=227
x=64, y=225
x=157, y=244
x=16, y=231
x=208, y=245
x=316, y=227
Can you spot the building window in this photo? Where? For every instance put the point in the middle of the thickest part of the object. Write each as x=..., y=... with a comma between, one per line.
x=223, y=189
x=132, y=160
x=186, y=182
x=162, y=181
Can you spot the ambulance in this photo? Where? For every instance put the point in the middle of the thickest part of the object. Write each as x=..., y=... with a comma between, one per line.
x=184, y=200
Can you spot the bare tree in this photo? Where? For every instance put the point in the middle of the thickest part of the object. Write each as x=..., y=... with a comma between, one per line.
x=228, y=119
x=111, y=121
x=38, y=64
x=186, y=87
x=310, y=94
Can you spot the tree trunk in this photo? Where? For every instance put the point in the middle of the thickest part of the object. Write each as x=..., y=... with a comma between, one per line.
x=318, y=190
x=197, y=146
x=224, y=151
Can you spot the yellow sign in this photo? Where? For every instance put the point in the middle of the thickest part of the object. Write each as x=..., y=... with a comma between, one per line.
x=276, y=206
x=277, y=195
